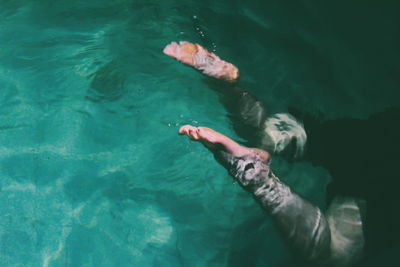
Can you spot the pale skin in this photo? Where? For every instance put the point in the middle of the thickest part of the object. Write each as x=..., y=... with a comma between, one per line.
x=335, y=239
x=183, y=51
x=190, y=54
x=209, y=137
x=200, y=58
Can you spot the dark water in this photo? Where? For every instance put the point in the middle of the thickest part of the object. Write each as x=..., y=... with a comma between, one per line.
x=92, y=172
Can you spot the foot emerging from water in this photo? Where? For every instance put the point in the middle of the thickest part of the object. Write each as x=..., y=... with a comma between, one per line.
x=248, y=166
x=215, y=140
x=201, y=59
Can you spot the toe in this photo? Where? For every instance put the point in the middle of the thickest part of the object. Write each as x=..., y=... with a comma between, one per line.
x=185, y=129
x=170, y=49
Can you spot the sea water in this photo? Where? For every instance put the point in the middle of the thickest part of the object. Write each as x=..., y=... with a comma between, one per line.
x=92, y=171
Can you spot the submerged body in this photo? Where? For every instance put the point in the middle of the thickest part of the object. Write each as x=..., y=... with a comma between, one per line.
x=332, y=240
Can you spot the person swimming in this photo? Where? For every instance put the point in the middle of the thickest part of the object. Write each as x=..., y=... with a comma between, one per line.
x=333, y=239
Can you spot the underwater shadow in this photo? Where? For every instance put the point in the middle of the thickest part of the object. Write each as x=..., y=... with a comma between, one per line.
x=363, y=158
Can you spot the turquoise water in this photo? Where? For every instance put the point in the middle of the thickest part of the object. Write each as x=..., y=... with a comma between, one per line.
x=92, y=171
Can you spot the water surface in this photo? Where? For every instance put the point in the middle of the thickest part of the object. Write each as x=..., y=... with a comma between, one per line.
x=92, y=172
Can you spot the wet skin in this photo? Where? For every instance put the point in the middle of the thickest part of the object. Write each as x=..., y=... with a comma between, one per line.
x=201, y=59
x=214, y=140
x=332, y=240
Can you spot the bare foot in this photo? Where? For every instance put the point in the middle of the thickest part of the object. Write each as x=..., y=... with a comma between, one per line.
x=209, y=137
x=201, y=59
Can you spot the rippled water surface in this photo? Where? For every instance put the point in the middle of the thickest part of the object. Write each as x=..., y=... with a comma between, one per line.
x=92, y=171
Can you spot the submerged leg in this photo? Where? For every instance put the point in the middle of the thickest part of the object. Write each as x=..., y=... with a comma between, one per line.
x=301, y=223
x=344, y=216
x=276, y=133
x=251, y=110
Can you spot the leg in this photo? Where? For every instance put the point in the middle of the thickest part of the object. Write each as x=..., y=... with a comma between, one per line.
x=344, y=216
x=276, y=133
x=250, y=110
x=215, y=141
x=334, y=240
x=301, y=223
x=245, y=110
